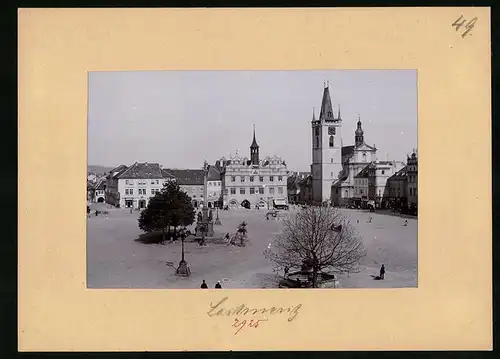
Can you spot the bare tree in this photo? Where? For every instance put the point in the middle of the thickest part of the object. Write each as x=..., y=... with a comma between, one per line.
x=317, y=239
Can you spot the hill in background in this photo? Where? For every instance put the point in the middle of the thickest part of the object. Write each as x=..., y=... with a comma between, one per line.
x=98, y=170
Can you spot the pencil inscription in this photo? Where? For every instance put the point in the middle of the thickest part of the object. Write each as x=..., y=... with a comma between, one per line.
x=462, y=23
x=255, y=315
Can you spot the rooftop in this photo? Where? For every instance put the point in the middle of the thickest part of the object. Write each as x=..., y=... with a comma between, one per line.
x=187, y=176
x=142, y=171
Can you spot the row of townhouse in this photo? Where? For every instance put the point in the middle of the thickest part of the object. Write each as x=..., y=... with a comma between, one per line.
x=133, y=186
x=390, y=184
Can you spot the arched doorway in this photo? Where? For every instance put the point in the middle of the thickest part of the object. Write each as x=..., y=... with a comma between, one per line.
x=100, y=200
x=245, y=204
x=262, y=204
x=233, y=203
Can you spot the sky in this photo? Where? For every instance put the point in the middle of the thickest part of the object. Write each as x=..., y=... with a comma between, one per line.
x=182, y=118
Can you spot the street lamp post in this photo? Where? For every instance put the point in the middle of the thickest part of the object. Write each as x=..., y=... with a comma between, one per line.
x=183, y=269
x=217, y=220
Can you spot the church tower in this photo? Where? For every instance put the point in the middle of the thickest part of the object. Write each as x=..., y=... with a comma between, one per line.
x=326, y=149
x=358, y=135
x=254, y=150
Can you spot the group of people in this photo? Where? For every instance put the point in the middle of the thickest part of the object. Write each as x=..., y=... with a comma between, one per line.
x=205, y=286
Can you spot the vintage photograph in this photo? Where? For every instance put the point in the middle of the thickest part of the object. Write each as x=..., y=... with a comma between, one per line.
x=252, y=179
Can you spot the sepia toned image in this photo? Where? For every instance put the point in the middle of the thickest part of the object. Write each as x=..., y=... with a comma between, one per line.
x=145, y=119
x=252, y=179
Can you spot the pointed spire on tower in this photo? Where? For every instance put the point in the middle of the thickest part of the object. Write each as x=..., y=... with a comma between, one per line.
x=338, y=115
x=254, y=143
x=326, y=112
x=254, y=150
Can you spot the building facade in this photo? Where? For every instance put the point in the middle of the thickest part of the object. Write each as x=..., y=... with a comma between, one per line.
x=361, y=187
x=112, y=196
x=412, y=163
x=397, y=187
x=138, y=183
x=250, y=182
x=192, y=182
x=100, y=190
x=214, y=187
x=293, y=185
x=379, y=173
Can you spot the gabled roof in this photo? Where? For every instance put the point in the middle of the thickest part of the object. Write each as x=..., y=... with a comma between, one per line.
x=213, y=174
x=101, y=185
x=295, y=177
x=115, y=172
x=339, y=182
x=142, y=171
x=188, y=177
x=364, y=172
x=305, y=181
x=347, y=150
x=166, y=174
x=365, y=145
x=400, y=175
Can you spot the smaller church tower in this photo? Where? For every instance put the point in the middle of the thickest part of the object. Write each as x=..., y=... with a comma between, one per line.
x=358, y=135
x=254, y=150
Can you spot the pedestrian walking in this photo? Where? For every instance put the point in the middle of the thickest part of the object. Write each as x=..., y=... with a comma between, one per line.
x=204, y=285
x=287, y=269
x=130, y=210
x=218, y=286
x=382, y=272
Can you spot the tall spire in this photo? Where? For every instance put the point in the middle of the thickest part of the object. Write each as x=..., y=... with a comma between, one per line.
x=254, y=150
x=338, y=116
x=254, y=143
x=326, y=112
x=314, y=115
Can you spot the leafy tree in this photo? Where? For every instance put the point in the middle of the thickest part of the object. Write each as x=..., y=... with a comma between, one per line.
x=314, y=239
x=171, y=207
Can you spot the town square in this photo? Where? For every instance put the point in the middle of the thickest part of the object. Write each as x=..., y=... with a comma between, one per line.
x=322, y=206
x=116, y=259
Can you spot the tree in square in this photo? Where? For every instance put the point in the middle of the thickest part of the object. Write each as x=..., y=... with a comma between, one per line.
x=171, y=207
x=317, y=240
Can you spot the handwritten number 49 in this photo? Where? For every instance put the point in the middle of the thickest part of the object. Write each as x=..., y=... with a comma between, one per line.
x=467, y=25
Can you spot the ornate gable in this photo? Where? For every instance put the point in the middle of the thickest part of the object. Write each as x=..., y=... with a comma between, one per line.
x=365, y=147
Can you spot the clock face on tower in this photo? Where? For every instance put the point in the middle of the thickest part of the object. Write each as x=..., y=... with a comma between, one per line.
x=331, y=130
